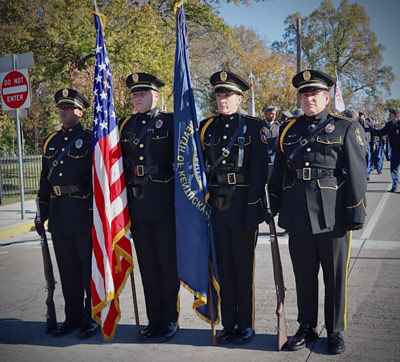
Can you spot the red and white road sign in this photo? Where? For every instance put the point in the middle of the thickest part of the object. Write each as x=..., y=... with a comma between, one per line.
x=15, y=89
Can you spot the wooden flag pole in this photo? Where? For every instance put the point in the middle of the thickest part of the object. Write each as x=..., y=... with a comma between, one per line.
x=211, y=304
x=135, y=305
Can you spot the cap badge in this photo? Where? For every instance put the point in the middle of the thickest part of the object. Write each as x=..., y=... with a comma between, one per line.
x=135, y=77
x=79, y=143
x=159, y=123
x=223, y=76
x=306, y=75
x=329, y=128
x=65, y=92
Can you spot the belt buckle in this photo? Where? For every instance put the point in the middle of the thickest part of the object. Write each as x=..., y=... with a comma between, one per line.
x=307, y=173
x=231, y=178
x=139, y=170
x=57, y=190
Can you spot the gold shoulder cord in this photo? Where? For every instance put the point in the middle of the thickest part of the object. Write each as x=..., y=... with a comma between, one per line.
x=48, y=140
x=291, y=123
x=203, y=131
x=123, y=124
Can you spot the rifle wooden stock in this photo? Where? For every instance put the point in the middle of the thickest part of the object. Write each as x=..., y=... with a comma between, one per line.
x=279, y=286
x=51, y=319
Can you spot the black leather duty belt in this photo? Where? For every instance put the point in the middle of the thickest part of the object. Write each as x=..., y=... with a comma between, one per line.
x=231, y=178
x=309, y=173
x=67, y=189
x=143, y=170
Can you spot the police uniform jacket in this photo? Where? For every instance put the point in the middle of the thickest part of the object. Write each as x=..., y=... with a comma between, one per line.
x=245, y=183
x=149, y=164
x=323, y=189
x=392, y=130
x=65, y=194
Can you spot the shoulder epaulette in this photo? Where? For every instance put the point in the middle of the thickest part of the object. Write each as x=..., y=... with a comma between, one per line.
x=87, y=130
x=337, y=115
x=47, y=140
x=206, y=122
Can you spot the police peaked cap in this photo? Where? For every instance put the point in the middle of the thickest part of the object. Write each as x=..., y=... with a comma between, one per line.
x=228, y=82
x=312, y=81
x=137, y=82
x=68, y=97
x=270, y=108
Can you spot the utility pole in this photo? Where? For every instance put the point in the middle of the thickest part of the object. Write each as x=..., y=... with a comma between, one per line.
x=298, y=34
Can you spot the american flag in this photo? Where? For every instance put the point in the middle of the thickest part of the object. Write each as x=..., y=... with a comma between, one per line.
x=112, y=252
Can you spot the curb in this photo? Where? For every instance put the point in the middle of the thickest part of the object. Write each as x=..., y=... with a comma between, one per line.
x=18, y=229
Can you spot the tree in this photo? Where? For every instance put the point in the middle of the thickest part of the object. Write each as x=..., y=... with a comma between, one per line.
x=340, y=39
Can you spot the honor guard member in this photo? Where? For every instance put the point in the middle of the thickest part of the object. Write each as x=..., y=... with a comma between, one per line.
x=65, y=199
x=147, y=141
x=234, y=147
x=392, y=130
x=318, y=186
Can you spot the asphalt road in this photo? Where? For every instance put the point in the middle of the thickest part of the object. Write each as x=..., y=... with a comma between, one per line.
x=373, y=304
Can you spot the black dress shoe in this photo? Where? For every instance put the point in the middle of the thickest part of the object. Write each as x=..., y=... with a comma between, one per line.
x=243, y=336
x=393, y=189
x=304, y=335
x=149, y=332
x=168, y=331
x=336, y=343
x=65, y=328
x=88, y=329
x=225, y=336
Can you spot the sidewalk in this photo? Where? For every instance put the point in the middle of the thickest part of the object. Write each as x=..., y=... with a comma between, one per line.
x=11, y=223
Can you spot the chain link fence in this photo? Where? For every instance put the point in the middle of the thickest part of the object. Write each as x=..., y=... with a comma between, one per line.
x=9, y=172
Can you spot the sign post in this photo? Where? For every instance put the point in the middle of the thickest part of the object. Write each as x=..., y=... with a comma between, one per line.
x=15, y=95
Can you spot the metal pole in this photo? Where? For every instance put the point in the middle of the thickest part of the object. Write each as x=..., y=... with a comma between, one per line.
x=298, y=33
x=21, y=172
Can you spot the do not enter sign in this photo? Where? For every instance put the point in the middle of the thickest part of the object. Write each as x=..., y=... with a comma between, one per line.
x=15, y=89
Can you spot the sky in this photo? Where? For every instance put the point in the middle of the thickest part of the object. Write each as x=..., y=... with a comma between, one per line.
x=267, y=18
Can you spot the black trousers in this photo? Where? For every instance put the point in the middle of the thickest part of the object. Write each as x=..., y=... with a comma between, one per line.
x=74, y=260
x=155, y=245
x=332, y=252
x=235, y=257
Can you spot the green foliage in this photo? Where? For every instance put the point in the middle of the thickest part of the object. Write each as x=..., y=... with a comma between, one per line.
x=341, y=39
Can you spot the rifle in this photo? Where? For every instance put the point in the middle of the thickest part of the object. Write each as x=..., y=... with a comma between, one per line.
x=51, y=319
x=279, y=283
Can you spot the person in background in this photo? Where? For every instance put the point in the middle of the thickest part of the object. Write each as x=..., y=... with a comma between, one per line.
x=392, y=130
x=272, y=127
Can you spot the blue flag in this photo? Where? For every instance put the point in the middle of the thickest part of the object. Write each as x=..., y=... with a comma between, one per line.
x=197, y=267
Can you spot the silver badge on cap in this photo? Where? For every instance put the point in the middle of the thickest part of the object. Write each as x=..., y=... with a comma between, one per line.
x=65, y=92
x=159, y=123
x=329, y=128
x=79, y=143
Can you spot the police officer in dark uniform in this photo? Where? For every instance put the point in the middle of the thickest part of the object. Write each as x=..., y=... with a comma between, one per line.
x=367, y=126
x=392, y=130
x=65, y=199
x=147, y=141
x=318, y=186
x=234, y=147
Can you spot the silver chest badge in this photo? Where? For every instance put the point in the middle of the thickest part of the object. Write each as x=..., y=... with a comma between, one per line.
x=79, y=143
x=329, y=128
x=159, y=123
